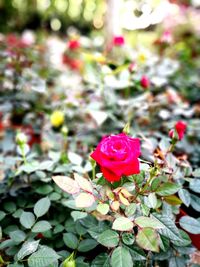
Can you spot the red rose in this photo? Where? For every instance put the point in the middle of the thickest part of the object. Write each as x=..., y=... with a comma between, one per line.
x=145, y=83
x=118, y=41
x=180, y=128
x=73, y=44
x=117, y=155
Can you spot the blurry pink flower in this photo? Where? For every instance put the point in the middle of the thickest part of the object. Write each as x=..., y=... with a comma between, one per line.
x=132, y=67
x=118, y=41
x=166, y=37
x=145, y=82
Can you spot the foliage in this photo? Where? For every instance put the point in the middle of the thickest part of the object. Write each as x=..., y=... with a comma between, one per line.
x=56, y=207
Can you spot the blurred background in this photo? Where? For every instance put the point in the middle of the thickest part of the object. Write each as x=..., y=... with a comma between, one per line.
x=87, y=15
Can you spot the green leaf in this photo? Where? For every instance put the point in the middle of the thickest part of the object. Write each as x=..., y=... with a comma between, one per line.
x=147, y=238
x=167, y=189
x=190, y=224
x=58, y=228
x=54, y=196
x=17, y=213
x=121, y=257
x=196, y=173
x=44, y=189
x=17, y=236
x=74, y=158
x=87, y=245
x=143, y=221
x=184, y=196
x=102, y=260
x=41, y=226
x=195, y=185
x=185, y=241
x=2, y=215
x=130, y=210
x=10, y=206
x=95, y=231
x=27, y=249
x=137, y=253
x=70, y=240
x=177, y=262
x=77, y=215
x=42, y=206
x=152, y=200
x=128, y=238
x=173, y=200
x=27, y=219
x=44, y=257
x=109, y=239
x=164, y=243
x=170, y=230
x=122, y=224
x=155, y=184
x=45, y=165
x=103, y=208
x=7, y=243
x=195, y=202
x=16, y=265
x=80, y=229
x=145, y=210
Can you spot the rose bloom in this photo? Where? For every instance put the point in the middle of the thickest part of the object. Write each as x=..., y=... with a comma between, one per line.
x=118, y=41
x=145, y=83
x=117, y=155
x=73, y=44
x=180, y=128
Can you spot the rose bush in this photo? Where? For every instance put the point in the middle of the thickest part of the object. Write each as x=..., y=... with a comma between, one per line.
x=117, y=155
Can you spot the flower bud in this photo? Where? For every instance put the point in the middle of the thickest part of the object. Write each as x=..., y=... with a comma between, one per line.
x=64, y=130
x=145, y=83
x=69, y=263
x=179, y=132
x=57, y=118
x=21, y=138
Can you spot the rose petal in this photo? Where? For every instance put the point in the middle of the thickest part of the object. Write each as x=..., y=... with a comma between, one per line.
x=109, y=175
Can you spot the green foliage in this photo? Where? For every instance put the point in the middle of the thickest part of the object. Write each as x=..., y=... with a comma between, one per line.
x=57, y=209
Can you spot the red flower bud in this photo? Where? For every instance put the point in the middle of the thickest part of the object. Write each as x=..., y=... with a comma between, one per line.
x=118, y=41
x=171, y=133
x=145, y=82
x=180, y=128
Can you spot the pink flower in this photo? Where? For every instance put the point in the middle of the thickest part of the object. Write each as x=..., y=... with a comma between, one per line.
x=180, y=128
x=74, y=44
x=118, y=41
x=145, y=82
x=117, y=155
x=132, y=67
x=166, y=37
